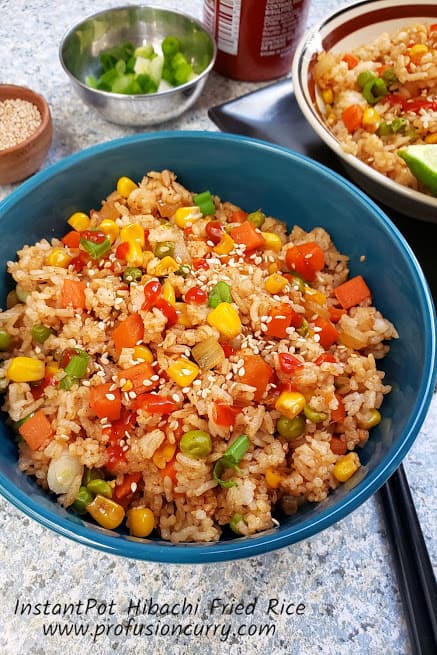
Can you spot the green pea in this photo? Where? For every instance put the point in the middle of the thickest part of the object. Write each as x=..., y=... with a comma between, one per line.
x=234, y=522
x=132, y=274
x=291, y=428
x=389, y=76
x=82, y=500
x=41, y=333
x=398, y=125
x=303, y=330
x=257, y=218
x=313, y=415
x=196, y=443
x=99, y=486
x=164, y=249
x=384, y=129
x=5, y=340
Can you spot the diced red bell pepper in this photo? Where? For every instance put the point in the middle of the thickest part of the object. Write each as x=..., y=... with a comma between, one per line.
x=248, y=235
x=327, y=332
x=196, y=296
x=225, y=415
x=128, y=333
x=96, y=236
x=152, y=291
x=306, y=259
x=124, y=489
x=200, y=264
x=282, y=317
x=168, y=310
x=105, y=402
x=116, y=455
x=122, y=251
x=325, y=357
x=288, y=363
x=71, y=239
x=214, y=231
x=156, y=404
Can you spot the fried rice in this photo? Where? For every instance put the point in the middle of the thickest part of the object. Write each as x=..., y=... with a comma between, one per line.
x=402, y=112
x=286, y=372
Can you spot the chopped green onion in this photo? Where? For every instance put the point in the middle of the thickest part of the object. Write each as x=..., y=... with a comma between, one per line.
x=78, y=364
x=231, y=458
x=205, y=203
x=374, y=90
x=41, y=333
x=21, y=293
x=91, y=474
x=170, y=46
x=183, y=270
x=235, y=520
x=96, y=250
x=221, y=292
x=132, y=274
x=5, y=340
x=398, y=125
x=164, y=249
x=364, y=77
x=257, y=218
x=389, y=76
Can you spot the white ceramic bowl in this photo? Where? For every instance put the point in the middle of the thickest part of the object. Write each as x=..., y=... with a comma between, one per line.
x=343, y=30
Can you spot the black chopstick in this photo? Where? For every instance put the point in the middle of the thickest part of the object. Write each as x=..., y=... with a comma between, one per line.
x=417, y=583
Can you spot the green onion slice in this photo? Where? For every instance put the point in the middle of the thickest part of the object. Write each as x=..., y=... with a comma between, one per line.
x=221, y=292
x=96, y=250
x=205, y=203
x=231, y=458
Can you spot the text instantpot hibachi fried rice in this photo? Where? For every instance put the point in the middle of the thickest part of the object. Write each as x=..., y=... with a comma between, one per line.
x=185, y=366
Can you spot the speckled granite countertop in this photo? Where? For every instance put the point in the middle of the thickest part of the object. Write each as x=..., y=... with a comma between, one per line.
x=337, y=591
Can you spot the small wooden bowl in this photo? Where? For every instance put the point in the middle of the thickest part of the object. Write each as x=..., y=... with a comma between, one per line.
x=24, y=159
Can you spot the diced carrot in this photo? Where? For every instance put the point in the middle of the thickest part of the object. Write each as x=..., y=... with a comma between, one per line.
x=353, y=117
x=73, y=294
x=257, y=373
x=36, y=430
x=140, y=375
x=381, y=69
x=338, y=446
x=433, y=27
x=239, y=216
x=71, y=239
x=335, y=313
x=327, y=332
x=125, y=488
x=169, y=471
x=247, y=234
x=282, y=317
x=352, y=292
x=351, y=61
x=306, y=259
x=128, y=332
x=105, y=402
x=339, y=414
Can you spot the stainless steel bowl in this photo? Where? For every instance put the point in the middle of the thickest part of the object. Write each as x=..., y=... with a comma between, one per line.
x=79, y=54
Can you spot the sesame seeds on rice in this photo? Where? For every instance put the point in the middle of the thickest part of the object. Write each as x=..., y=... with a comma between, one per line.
x=177, y=391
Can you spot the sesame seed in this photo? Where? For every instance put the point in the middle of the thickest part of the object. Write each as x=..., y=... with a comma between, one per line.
x=242, y=372
x=133, y=487
x=154, y=378
x=147, y=383
x=132, y=394
x=176, y=397
x=110, y=396
x=185, y=389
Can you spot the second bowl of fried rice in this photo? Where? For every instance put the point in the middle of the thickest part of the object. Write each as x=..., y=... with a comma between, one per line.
x=200, y=364
x=365, y=77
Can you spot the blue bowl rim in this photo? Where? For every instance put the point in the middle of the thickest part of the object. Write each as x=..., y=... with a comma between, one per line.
x=257, y=545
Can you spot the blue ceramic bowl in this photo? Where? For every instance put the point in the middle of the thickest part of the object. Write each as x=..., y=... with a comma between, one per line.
x=297, y=190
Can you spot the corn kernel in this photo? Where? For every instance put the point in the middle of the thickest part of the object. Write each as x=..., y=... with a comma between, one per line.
x=315, y=295
x=166, y=266
x=106, y=512
x=163, y=454
x=290, y=403
x=110, y=228
x=58, y=257
x=185, y=216
x=346, y=466
x=140, y=521
x=144, y=353
x=272, y=241
x=147, y=257
x=79, y=221
x=25, y=369
x=183, y=372
x=225, y=245
x=182, y=313
x=134, y=255
x=273, y=478
x=273, y=268
x=168, y=292
x=417, y=51
x=133, y=233
x=371, y=119
x=431, y=138
x=367, y=420
x=328, y=96
x=125, y=186
x=225, y=319
x=275, y=283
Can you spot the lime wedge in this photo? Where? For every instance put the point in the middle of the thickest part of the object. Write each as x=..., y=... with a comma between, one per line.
x=422, y=162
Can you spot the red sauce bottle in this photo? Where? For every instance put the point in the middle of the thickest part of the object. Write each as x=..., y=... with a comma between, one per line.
x=256, y=39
